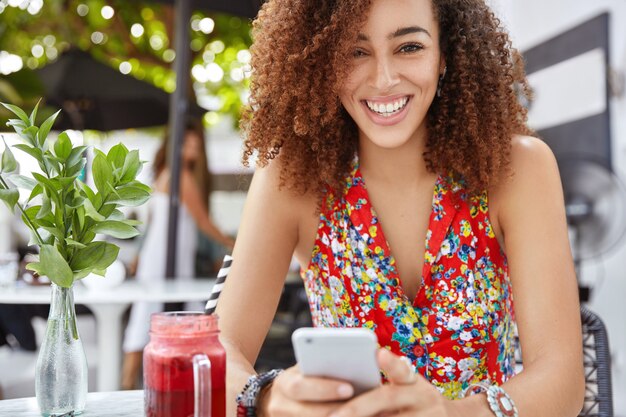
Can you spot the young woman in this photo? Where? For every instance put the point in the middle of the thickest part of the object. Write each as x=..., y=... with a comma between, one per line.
x=403, y=116
x=193, y=216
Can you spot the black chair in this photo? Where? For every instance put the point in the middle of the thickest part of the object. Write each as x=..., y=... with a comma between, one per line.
x=597, y=360
x=597, y=363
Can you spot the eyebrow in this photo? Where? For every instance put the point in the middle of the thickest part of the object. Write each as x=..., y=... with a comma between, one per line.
x=399, y=32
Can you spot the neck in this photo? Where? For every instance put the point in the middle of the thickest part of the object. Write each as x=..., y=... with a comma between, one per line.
x=397, y=166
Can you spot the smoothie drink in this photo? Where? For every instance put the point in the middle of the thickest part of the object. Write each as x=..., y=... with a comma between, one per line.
x=177, y=340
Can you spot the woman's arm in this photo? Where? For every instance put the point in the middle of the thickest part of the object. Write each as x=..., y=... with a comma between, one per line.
x=190, y=197
x=532, y=217
x=265, y=243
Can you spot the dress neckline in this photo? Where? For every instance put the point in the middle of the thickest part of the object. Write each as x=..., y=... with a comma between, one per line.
x=361, y=211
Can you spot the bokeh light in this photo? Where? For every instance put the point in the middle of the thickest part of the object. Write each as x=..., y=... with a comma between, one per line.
x=107, y=12
x=137, y=30
x=125, y=67
x=82, y=10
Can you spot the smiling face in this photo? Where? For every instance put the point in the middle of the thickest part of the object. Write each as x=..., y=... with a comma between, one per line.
x=395, y=69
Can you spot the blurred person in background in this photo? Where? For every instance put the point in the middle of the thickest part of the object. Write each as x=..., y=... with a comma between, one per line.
x=193, y=215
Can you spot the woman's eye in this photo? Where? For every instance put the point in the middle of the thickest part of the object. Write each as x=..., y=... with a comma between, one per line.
x=411, y=47
x=358, y=53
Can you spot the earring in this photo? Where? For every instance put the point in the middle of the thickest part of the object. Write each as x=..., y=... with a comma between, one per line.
x=440, y=82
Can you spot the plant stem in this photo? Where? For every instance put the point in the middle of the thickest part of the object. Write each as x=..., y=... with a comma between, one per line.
x=30, y=223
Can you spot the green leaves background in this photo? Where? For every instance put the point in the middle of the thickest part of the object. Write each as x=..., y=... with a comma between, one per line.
x=68, y=213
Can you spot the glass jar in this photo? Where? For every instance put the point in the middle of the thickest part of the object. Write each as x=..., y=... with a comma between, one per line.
x=184, y=366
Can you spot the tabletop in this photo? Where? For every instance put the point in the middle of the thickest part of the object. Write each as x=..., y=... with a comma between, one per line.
x=100, y=404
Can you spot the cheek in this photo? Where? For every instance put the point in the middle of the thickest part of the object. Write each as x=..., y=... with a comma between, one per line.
x=348, y=91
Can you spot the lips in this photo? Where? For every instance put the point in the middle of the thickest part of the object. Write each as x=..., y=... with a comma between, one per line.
x=387, y=111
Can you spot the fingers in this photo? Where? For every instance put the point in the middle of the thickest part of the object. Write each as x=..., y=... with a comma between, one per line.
x=384, y=400
x=298, y=387
x=399, y=370
x=294, y=395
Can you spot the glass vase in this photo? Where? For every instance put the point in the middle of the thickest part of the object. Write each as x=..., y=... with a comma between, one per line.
x=61, y=373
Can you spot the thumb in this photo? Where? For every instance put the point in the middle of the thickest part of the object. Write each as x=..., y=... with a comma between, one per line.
x=399, y=369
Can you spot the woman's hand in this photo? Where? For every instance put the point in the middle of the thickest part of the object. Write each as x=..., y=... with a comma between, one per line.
x=295, y=395
x=406, y=394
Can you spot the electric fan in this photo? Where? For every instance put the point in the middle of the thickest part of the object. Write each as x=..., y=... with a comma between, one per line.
x=595, y=205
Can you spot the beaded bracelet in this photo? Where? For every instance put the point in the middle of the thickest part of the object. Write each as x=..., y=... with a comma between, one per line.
x=248, y=397
x=499, y=401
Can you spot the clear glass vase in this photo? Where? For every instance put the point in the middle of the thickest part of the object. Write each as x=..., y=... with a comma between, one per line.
x=61, y=373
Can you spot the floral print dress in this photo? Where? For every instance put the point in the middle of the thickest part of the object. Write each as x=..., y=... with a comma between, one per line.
x=460, y=328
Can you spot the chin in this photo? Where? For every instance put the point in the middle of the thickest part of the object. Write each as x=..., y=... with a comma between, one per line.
x=388, y=139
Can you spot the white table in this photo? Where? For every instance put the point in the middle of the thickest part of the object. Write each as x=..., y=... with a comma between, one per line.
x=99, y=404
x=108, y=307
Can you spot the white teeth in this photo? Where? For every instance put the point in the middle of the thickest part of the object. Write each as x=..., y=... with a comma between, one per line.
x=389, y=108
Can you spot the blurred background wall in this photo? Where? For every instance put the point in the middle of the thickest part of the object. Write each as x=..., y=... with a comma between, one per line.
x=573, y=91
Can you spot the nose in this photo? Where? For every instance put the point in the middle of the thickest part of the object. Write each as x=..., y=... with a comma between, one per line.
x=384, y=75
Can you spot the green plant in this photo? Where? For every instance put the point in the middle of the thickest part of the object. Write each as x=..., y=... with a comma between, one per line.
x=63, y=213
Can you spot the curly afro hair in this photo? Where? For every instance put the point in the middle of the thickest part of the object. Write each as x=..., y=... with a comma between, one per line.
x=301, y=54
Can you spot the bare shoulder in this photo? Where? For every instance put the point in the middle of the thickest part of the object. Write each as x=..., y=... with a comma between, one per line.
x=532, y=165
x=531, y=154
x=266, y=188
x=532, y=181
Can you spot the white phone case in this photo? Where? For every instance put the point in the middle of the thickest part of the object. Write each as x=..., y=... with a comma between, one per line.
x=348, y=354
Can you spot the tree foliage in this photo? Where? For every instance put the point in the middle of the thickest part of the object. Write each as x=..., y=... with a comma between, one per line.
x=138, y=37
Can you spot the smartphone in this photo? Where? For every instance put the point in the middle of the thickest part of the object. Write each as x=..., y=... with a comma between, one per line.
x=348, y=354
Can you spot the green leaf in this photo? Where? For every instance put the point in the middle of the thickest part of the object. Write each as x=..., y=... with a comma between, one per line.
x=63, y=146
x=9, y=164
x=33, y=114
x=102, y=173
x=23, y=182
x=49, y=186
x=46, y=207
x=64, y=182
x=76, y=155
x=132, y=222
x=30, y=134
x=10, y=197
x=81, y=274
x=116, y=215
x=88, y=192
x=45, y=128
x=18, y=112
x=139, y=185
x=115, y=229
x=130, y=197
x=75, y=169
x=54, y=266
x=36, y=191
x=132, y=166
x=76, y=202
x=58, y=234
x=72, y=242
x=107, y=210
x=90, y=211
x=97, y=255
x=47, y=221
x=34, y=152
x=32, y=211
x=117, y=155
x=78, y=222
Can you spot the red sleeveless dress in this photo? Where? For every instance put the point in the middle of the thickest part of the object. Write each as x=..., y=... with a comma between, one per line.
x=460, y=327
